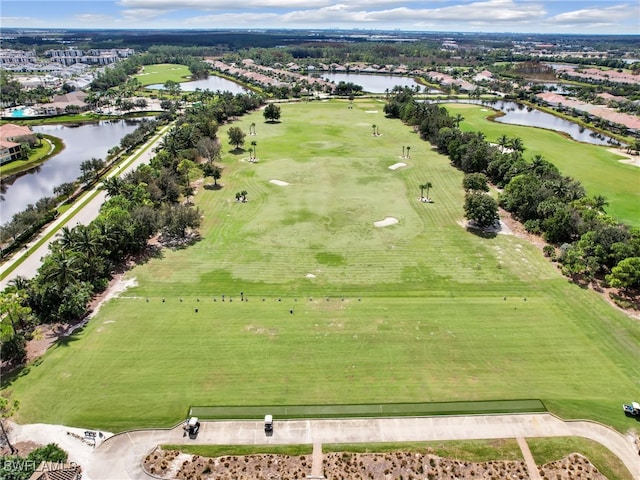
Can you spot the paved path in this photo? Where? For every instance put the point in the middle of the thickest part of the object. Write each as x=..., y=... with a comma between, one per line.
x=119, y=457
x=534, y=473
x=78, y=213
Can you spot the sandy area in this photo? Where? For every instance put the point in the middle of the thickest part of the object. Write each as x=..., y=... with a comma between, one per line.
x=371, y=111
x=630, y=159
x=280, y=183
x=395, y=166
x=386, y=222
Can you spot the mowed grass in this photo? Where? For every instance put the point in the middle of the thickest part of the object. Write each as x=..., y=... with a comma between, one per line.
x=162, y=72
x=598, y=169
x=336, y=310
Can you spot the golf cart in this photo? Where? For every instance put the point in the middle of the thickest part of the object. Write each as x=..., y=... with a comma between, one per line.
x=632, y=410
x=193, y=427
x=268, y=424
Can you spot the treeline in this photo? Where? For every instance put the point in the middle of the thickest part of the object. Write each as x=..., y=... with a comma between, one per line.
x=591, y=245
x=150, y=200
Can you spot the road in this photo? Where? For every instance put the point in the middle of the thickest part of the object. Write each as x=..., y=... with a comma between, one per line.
x=119, y=457
x=79, y=213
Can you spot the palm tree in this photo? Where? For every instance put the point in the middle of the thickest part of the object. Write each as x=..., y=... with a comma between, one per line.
x=599, y=202
x=253, y=144
x=503, y=141
x=252, y=129
x=63, y=268
x=402, y=151
x=374, y=126
x=408, y=149
x=425, y=186
x=428, y=186
x=457, y=119
x=516, y=144
x=113, y=185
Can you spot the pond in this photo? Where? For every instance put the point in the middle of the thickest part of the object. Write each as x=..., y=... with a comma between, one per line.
x=373, y=83
x=518, y=114
x=212, y=83
x=81, y=143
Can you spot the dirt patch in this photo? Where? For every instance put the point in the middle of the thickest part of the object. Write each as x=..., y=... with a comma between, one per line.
x=173, y=464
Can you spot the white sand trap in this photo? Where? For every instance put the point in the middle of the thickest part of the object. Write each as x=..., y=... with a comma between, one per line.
x=484, y=110
x=395, y=166
x=371, y=111
x=386, y=222
x=280, y=183
x=310, y=275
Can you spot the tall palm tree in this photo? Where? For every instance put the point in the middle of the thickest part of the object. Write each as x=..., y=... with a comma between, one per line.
x=457, y=119
x=374, y=126
x=408, y=150
x=253, y=144
x=428, y=186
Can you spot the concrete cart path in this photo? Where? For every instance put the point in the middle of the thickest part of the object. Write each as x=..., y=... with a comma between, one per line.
x=534, y=473
x=119, y=457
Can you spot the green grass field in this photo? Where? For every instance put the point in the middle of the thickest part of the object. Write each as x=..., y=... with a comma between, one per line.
x=596, y=167
x=161, y=72
x=420, y=311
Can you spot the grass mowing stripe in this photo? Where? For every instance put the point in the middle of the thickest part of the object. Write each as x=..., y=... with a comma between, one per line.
x=421, y=311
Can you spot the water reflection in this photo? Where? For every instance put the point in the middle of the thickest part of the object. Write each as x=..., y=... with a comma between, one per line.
x=82, y=142
x=518, y=114
x=212, y=83
x=373, y=83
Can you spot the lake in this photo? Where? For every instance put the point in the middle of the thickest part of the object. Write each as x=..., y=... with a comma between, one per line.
x=81, y=143
x=518, y=114
x=212, y=83
x=373, y=83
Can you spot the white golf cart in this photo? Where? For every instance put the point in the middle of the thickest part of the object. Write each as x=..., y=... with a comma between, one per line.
x=268, y=424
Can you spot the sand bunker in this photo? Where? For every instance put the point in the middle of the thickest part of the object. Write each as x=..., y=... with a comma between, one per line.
x=310, y=275
x=395, y=166
x=386, y=222
x=371, y=111
x=280, y=183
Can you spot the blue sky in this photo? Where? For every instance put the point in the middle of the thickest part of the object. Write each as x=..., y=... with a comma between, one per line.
x=520, y=16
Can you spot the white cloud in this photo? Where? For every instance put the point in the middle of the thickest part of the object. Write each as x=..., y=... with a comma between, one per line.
x=223, y=4
x=606, y=16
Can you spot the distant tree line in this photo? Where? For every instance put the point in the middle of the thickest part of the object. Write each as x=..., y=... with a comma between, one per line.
x=591, y=245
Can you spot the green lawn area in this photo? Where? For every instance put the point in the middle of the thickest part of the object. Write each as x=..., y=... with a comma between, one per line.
x=596, y=167
x=161, y=72
x=337, y=311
